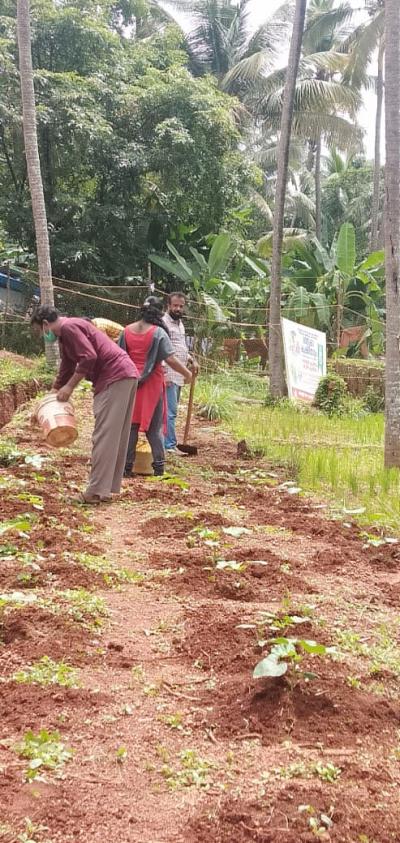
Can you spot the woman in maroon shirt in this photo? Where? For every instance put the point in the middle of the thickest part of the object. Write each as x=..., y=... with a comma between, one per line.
x=88, y=353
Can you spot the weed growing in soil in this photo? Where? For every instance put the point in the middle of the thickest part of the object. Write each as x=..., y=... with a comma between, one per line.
x=47, y=672
x=84, y=607
x=9, y=453
x=174, y=721
x=327, y=772
x=30, y=835
x=192, y=772
x=45, y=751
x=21, y=524
x=318, y=823
x=112, y=576
x=121, y=754
x=203, y=535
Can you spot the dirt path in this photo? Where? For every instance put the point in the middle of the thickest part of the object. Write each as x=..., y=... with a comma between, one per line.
x=173, y=740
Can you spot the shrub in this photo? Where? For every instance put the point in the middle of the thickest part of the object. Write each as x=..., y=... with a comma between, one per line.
x=331, y=395
x=373, y=401
x=214, y=402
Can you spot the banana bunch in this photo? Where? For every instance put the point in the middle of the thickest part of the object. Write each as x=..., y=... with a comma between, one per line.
x=112, y=329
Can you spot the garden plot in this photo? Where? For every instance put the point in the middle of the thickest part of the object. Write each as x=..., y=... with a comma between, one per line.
x=130, y=638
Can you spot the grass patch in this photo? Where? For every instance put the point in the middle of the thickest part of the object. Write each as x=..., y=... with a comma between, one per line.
x=340, y=457
x=14, y=373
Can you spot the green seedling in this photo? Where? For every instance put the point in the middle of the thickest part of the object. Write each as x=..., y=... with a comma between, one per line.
x=22, y=524
x=170, y=480
x=47, y=672
x=319, y=824
x=8, y=551
x=25, y=578
x=84, y=607
x=193, y=771
x=210, y=538
x=9, y=454
x=111, y=575
x=30, y=835
x=174, y=721
x=353, y=682
x=121, y=754
x=289, y=652
x=35, y=500
x=45, y=751
x=281, y=621
x=138, y=674
x=152, y=690
x=327, y=772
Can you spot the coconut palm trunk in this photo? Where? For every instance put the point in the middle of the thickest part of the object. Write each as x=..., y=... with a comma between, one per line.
x=377, y=161
x=277, y=378
x=317, y=176
x=392, y=232
x=33, y=162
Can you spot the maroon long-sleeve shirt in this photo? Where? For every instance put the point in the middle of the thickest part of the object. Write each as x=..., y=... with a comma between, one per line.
x=86, y=350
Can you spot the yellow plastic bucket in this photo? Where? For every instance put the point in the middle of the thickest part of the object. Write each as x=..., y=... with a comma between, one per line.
x=57, y=420
x=143, y=459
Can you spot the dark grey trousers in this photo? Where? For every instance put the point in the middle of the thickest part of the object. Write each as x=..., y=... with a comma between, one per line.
x=112, y=412
x=154, y=437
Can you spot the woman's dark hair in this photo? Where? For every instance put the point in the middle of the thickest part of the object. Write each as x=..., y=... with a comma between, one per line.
x=44, y=313
x=152, y=311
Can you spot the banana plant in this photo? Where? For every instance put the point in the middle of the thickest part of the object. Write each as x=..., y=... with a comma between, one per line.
x=351, y=286
x=327, y=289
x=210, y=278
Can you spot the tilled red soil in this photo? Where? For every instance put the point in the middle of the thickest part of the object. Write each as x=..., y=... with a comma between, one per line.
x=173, y=740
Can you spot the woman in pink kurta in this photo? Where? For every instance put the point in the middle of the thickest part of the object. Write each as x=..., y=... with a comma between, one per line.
x=148, y=344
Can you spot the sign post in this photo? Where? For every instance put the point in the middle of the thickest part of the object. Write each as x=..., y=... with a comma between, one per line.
x=305, y=359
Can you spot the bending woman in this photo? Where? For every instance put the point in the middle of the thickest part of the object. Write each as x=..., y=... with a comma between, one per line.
x=148, y=345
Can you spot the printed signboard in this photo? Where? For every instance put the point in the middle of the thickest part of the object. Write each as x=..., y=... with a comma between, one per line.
x=305, y=359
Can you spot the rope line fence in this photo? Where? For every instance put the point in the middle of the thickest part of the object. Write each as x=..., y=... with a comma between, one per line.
x=15, y=328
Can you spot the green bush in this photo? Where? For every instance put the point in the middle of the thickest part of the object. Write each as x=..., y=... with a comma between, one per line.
x=331, y=395
x=373, y=401
x=213, y=401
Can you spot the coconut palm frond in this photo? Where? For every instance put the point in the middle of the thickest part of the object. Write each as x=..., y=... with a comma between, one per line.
x=335, y=163
x=315, y=95
x=267, y=156
x=322, y=23
x=273, y=31
x=291, y=238
x=302, y=208
x=249, y=69
x=262, y=205
x=361, y=48
x=331, y=61
x=336, y=130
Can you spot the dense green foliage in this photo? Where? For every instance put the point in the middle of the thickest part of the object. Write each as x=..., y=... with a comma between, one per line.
x=330, y=395
x=132, y=146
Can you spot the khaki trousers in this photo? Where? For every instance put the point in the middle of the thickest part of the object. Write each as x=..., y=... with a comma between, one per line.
x=112, y=409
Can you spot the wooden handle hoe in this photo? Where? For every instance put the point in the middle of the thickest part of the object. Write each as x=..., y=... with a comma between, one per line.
x=191, y=450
